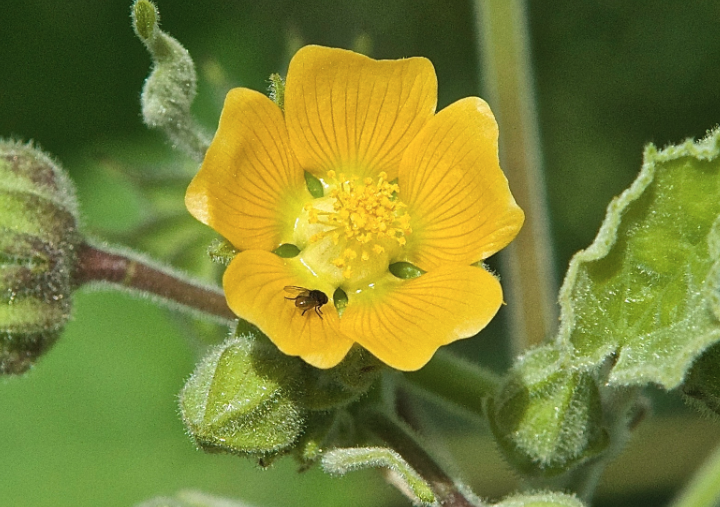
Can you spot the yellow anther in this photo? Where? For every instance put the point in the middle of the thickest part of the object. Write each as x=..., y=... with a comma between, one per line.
x=363, y=217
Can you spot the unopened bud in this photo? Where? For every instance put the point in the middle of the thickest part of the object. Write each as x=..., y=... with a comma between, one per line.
x=339, y=386
x=546, y=418
x=38, y=243
x=702, y=385
x=241, y=399
x=170, y=89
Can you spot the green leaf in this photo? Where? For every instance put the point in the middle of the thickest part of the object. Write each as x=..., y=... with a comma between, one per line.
x=646, y=290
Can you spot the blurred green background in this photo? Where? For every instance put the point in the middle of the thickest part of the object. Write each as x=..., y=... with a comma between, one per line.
x=96, y=424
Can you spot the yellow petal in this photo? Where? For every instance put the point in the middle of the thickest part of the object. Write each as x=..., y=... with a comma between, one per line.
x=403, y=322
x=250, y=187
x=353, y=114
x=458, y=198
x=255, y=284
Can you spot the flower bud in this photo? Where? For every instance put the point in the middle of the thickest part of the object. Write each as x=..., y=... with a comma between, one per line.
x=702, y=384
x=171, y=87
x=241, y=399
x=38, y=243
x=341, y=385
x=546, y=418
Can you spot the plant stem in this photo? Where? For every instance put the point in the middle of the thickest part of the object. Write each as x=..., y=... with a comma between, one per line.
x=508, y=84
x=398, y=438
x=129, y=271
x=618, y=402
x=704, y=489
x=455, y=380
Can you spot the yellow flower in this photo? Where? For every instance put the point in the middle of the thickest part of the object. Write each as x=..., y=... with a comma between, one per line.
x=401, y=183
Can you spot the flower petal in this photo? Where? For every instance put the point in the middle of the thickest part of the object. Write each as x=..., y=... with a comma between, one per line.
x=255, y=284
x=250, y=187
x=403, y=322
x=458, y=198
x=353, y=114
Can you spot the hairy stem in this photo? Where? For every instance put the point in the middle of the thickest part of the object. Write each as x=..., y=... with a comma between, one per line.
x=508, y=84
x=452, y=379
x=399, y=439
x=129, y=271
x=704, y=489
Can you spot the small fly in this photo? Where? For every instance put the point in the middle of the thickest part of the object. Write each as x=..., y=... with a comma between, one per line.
x=307, y=299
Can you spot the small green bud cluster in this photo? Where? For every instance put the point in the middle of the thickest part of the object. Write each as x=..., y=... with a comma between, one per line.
x=247, y=398
x=38, y=245
x=170, y=89
x=546, y=418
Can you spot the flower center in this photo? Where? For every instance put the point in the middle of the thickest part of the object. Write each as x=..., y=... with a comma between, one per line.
x=357, y=228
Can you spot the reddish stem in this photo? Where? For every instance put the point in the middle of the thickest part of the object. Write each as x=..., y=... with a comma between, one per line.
x=97, y=265
x=392, y=432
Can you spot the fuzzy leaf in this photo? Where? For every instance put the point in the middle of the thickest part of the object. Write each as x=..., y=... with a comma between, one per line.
x=647, y=288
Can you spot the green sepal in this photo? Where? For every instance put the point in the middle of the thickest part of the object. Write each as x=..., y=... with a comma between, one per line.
x=287, y=251
x=39, y=239
x=314, y=186
x=547, y=499
x=340, y=300
x=222, y=251
x=702, y=385
x=241, y=399
x=277, y=90
x=647, y=289
x=405, y=270
x=546, y=417
x=344, y=460
x=341, y=385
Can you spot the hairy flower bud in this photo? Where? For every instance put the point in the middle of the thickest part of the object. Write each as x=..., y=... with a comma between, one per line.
x=38, y=243
x=547, y=418
x=170, y=89
x=248, y=398
x=341, y=385
x=702, y=384
x=241, y=399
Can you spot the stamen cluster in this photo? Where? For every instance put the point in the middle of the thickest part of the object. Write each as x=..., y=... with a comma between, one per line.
x=365, y=216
